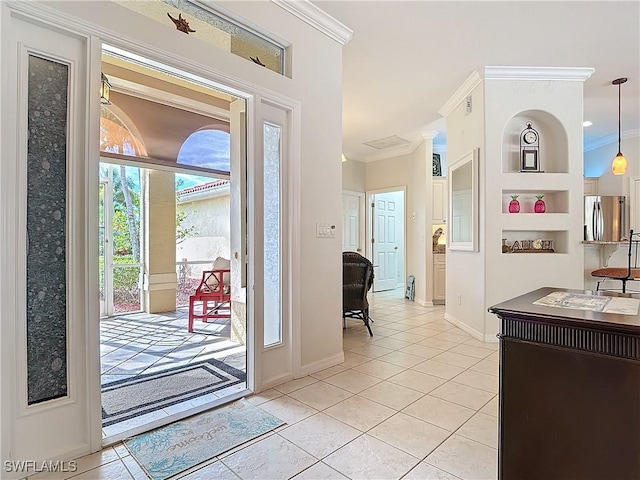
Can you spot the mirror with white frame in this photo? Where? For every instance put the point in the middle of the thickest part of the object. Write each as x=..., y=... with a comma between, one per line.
x=463, y=203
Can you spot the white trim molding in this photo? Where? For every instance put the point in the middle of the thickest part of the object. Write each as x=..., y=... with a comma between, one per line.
x=461, y=93
x=609, y=139
x=538, y=73
x=318, y=19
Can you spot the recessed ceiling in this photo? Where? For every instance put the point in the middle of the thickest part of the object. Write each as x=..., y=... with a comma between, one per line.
x=407, y=58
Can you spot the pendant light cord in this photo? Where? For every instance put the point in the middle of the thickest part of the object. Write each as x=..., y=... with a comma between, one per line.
x=619, y=150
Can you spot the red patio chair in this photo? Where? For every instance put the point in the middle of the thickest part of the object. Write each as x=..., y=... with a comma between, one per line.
x=213, y=294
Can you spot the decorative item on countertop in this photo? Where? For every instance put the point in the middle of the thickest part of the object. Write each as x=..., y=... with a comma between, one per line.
x=539, y=206
x=437, y=166
x=514, y=204
x=181, y=24
x=505, y=247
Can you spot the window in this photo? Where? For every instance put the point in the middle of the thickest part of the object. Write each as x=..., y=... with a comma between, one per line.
x=118, y=134
x=207, y=148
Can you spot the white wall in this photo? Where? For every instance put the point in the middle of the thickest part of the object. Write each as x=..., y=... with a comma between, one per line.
x=465, y=270
x=507, y=276
x=353, y=176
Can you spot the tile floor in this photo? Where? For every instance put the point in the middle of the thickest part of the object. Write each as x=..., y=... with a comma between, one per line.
x=416, y=401
x=141, y=343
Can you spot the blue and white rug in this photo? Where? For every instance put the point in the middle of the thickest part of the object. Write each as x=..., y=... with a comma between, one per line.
x=131, y=397
x=179, y=446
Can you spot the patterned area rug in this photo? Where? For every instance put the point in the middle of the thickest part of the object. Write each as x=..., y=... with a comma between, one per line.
x=179, y=446
x=128, y=398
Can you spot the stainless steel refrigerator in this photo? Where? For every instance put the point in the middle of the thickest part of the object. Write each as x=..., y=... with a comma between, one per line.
x=605, y=218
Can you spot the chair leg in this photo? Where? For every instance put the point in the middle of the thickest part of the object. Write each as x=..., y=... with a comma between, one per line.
x=624, y=286
x=191, y=306
x=366, y=320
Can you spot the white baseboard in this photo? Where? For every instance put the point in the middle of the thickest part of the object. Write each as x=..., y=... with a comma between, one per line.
x=488, y=338
x=319, y=365
x=423, y=303
x=272, y=382
x=463, y=326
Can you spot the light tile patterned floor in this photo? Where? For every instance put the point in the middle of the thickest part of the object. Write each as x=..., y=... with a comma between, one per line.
x=141, y=343
x=416, y=401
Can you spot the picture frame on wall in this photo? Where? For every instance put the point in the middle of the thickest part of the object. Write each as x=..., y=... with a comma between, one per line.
x=437, y=166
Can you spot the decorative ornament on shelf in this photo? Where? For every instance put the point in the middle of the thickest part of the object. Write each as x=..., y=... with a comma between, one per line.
x=257, y=60
x=514, y=204
x=619, y=163
x=539, y=206
x=181, y=24
x=529, y=148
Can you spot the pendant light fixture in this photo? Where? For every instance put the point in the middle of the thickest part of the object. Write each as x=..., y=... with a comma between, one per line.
x=619, y=164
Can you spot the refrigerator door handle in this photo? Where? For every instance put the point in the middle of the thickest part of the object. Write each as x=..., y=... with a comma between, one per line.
x=597, y=221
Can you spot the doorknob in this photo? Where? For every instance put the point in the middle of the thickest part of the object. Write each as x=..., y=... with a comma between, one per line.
x=358, y=249
x=395, y=248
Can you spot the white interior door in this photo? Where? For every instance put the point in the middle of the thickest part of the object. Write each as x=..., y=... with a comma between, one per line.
x=49, y=215
x=352, y=220
x=388, y=239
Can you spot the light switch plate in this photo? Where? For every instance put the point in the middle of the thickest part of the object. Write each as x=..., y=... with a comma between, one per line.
x=325, y=230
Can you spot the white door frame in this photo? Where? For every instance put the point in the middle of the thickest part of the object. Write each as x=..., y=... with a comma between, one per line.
x=96, y=35
x=361, y=218
x=369, y=221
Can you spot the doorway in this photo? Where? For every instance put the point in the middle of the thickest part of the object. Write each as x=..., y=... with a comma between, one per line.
x=353, y=221
x=386, y=221
x=172, y=169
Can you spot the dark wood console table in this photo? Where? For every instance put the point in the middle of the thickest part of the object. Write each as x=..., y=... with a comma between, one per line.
x=569, y=391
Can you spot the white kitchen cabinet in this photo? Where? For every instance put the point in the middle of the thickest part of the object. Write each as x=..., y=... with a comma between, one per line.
x=440, y=200
x=439, y=277
x=590, y=186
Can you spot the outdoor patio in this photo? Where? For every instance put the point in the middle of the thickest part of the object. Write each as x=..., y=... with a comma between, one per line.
x=141, y=343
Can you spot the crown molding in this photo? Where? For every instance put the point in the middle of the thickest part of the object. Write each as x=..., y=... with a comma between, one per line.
x=463, y=92
x=609, y=139
x=317, y=18
x=538, y=73
x=429, y=135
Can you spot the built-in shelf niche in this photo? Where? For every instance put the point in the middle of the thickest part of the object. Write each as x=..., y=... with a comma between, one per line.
x=555, y=201
x=553, y=152
x=560, y=239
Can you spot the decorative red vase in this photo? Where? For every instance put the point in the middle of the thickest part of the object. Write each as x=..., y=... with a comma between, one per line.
x=514, y=204
x=539, y=206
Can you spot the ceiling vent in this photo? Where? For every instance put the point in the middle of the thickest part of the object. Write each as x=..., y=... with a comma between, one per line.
x=388, y=142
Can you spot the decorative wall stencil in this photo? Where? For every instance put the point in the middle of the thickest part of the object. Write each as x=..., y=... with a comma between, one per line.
x=46, y=235
x=214, y=28
x=181, y=24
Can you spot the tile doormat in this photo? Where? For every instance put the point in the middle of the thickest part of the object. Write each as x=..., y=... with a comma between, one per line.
x=135, y=396
x=174, y=448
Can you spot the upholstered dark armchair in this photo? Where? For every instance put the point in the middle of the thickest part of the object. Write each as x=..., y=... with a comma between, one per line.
x=357, y=280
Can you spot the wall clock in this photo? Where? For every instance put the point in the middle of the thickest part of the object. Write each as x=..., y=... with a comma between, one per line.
x=529, y=149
